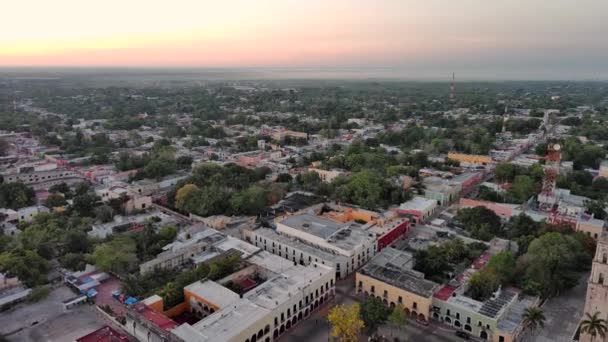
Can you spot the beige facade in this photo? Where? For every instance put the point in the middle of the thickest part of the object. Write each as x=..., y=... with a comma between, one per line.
x=597, y=289
x=415, y=305
x=591, y=227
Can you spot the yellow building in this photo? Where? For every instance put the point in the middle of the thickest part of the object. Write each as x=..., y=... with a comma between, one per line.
x=592, y=227
x=389, y=277
x=470, y=158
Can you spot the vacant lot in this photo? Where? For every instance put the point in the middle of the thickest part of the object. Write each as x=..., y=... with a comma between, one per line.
x=47, y=320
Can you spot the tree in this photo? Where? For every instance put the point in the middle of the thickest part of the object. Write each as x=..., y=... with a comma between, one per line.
x=26, y=265
x=594, y=325
x=398, y=317
x=505, y=172
x=284, y=178
x=374, y=313
x=482, y=284
x=309, y=181
x=522, y=189
x=16, y=195
x=481, y=222
x=521, y=225
x=346, y=322
x=533, y=318
x=84, y=204
x=250, y=201
x=183, y=195
x=3, y=147
x=104, y=213
x=364, y=188
x=553, y=263
x=55, y=200
x=117, y=255
x=596, y=208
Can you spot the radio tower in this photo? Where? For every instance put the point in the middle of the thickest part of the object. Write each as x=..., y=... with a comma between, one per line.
x=452, y=97
x=547, y=197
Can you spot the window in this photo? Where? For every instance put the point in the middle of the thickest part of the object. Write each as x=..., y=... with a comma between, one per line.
x=469, y=320
x=605, y=258
x=373, y=289
x=447, y=312
x=457, y=315
x=385, y=293
x=400, y=300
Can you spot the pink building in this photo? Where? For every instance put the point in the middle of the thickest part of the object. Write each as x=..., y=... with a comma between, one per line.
x=504, y=210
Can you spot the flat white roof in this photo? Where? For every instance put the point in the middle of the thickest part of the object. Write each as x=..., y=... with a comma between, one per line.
x=213, y=292
x=223, y=325
x=418, y=203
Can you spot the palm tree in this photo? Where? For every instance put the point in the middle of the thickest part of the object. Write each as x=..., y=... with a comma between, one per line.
x=533, y=318
x=594, y=326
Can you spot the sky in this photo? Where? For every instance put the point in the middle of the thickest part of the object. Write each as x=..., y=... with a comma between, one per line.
x=479, y=38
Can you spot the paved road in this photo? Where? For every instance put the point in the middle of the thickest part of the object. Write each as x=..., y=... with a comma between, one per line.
x=563, y=314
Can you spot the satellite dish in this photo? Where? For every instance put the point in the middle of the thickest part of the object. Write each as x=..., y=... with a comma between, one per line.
x=556, y=147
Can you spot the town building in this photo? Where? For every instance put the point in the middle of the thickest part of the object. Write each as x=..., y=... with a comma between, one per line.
x=390, y=277
x=326, y=230
x=591, y=226
x=497, y=319
x=597, y=288
x=104, y=334
x=419, y=208
x=471, y=159
x=328, y=176
x=441, y=190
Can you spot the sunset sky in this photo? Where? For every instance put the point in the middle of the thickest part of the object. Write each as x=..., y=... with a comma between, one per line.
x=541, y=35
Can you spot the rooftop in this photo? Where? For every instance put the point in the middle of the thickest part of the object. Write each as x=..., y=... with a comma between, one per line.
x=314, y=225
x=297, y=244
x=212, y=292
x=279, y=289
x=395, y=267
x=418, y=203
x=223, y=325
x=103, y=334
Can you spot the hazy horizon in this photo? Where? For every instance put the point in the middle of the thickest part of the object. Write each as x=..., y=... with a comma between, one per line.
x=404, y=39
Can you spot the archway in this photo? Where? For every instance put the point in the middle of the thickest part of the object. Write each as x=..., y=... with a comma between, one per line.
x=275, y=334
x=288, y=325
x=435, y=315
x=385, y=302
x=421, y=317
x=260, y=334
x=306, y=312
x=392, y=305
x=366, y=294
x=468, y=328
x=407, y=311
x=294, y=321
x=282, y=329
x=300, y=315
x=448, y=320
x=457, y=324
x=483, y=335
x=414, y=313
x=266, y=329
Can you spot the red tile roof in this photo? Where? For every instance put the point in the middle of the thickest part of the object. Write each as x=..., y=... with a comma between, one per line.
x=444, y=293
x=158, y=319
x=104, y=334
